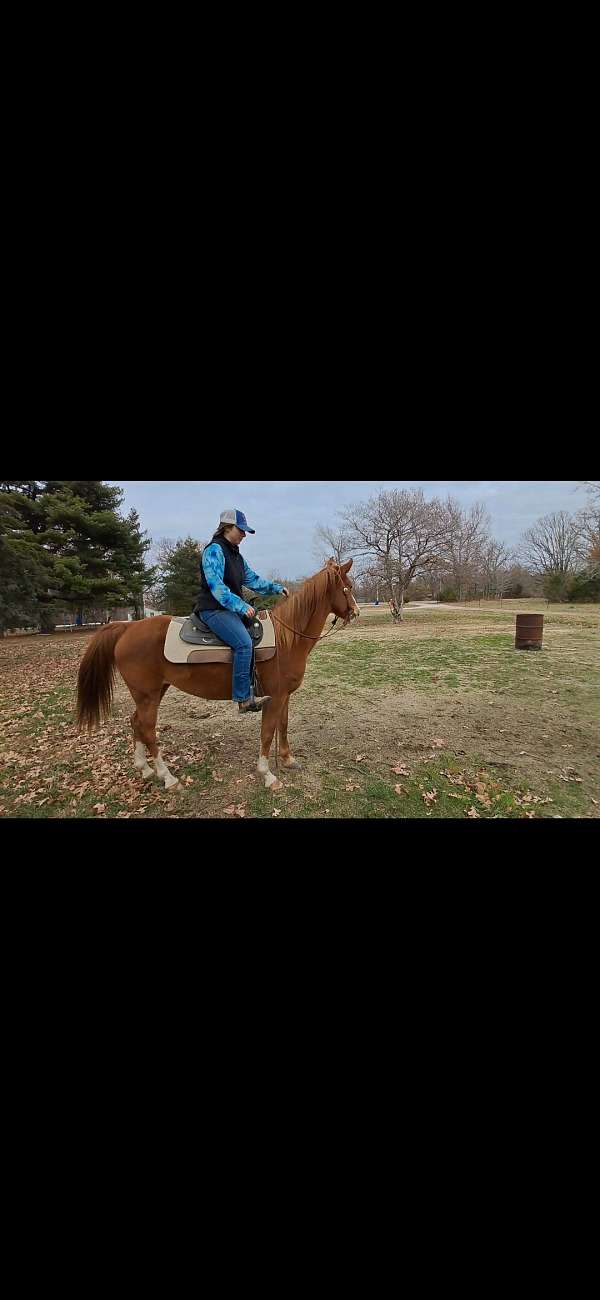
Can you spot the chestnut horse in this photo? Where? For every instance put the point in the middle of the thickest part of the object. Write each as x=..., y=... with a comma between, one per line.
x=137, y=650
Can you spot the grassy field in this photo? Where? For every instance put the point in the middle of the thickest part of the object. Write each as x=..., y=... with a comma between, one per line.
x=437, y=717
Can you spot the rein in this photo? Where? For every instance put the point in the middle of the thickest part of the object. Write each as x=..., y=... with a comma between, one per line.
x=316, y=639
x=305, y=634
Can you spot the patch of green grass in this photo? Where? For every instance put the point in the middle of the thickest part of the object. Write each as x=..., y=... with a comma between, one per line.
x=488, y=662
x=476, y=785
x=201, y=773
x=292, y=801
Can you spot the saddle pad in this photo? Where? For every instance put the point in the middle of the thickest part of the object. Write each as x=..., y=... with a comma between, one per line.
x=182, y=652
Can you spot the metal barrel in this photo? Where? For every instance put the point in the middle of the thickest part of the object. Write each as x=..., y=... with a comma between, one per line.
x=530, y=632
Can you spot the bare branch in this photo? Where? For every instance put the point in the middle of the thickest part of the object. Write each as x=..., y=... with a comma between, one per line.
x=553, y=545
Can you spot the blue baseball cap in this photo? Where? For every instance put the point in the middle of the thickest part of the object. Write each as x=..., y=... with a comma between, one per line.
x=238, y=518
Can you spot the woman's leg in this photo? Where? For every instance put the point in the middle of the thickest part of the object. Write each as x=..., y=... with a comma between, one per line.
x=229, y=627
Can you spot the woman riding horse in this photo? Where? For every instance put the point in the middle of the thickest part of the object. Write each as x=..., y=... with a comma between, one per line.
x=221, y=604
x=136, y=651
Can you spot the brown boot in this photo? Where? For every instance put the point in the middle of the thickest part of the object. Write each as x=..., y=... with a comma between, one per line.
x=254, y=705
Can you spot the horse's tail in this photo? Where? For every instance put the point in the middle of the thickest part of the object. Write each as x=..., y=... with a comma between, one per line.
x=96, y=679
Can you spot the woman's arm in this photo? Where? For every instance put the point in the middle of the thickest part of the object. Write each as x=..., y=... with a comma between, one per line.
x=264, y=588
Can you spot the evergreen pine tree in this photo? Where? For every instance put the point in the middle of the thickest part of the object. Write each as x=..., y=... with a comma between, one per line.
x=180, y=577
x=137, y=575
x=72, y=547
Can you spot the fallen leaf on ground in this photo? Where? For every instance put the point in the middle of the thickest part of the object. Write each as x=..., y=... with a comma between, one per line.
x=277, y=812
x=472, y=812
x=360, y=758
x=453, y=778
x=99, y=808
x=400, y=770
x=399, y=789
x=529, y=798
x=438, y=744
x=218, y=778
x=429, y=796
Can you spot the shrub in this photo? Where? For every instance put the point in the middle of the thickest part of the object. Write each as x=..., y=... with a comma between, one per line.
x=585, y=587
x=555, y=586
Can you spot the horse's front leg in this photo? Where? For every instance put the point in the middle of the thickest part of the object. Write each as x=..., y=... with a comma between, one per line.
x=287, y=759
x=270, y=721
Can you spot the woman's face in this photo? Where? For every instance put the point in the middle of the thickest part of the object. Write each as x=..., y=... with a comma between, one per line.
x=235, y=535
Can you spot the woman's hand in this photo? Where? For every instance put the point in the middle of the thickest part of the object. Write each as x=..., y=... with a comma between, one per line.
x=285, y=592
x=250, y=612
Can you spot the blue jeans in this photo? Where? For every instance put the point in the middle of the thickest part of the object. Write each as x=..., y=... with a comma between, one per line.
x=229, y=627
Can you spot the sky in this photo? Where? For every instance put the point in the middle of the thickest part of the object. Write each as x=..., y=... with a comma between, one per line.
x=285, y=513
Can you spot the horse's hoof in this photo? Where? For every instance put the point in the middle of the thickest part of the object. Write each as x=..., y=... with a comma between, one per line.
x=294, y=766
x=173, y=783
x=276, y=787
x=147, y=773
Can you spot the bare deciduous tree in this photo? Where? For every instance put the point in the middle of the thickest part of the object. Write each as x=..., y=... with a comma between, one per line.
x=465, y=540
x=163, y=551
x=553, y=545
x=588, y=524
x=331, y=541
x=399, y=534
x=496, y=560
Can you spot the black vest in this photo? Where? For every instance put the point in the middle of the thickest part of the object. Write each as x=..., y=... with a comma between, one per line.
x=233, y=576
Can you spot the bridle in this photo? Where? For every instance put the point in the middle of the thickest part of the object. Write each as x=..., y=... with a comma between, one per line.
x=347, y=618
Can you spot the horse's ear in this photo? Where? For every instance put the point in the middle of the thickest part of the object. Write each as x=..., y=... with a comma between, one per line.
x=347, y=567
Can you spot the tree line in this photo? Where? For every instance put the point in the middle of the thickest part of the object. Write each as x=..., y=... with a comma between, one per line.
x=406, y=547
x=409, y=547
x=66, y=546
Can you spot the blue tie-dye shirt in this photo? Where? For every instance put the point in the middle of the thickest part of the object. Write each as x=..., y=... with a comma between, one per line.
x=213, y=563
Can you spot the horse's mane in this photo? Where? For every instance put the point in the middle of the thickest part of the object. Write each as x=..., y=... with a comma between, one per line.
x=297, y=610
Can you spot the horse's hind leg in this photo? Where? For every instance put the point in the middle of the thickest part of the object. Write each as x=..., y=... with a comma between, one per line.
x=144, y=727
x=140, y=758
